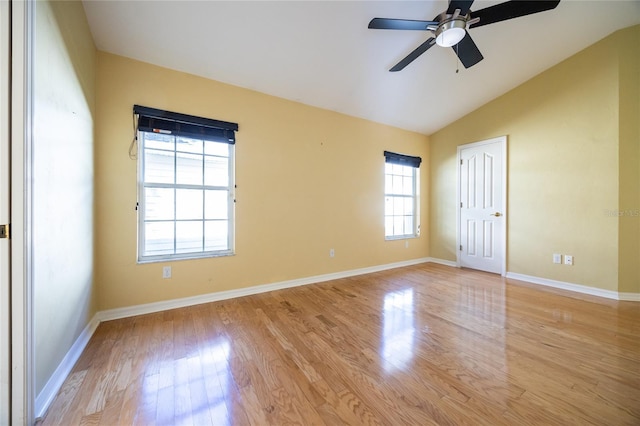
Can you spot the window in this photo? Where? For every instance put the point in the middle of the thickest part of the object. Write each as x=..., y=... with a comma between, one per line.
x=185, y=186
x=401, y=212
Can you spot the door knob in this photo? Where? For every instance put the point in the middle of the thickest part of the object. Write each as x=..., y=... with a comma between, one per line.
x=496, y=214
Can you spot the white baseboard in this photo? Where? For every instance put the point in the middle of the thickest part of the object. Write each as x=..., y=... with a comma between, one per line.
x=451, y=263
x=629, y=297
x=578, y=288
x=50, y=390
x=148, y=308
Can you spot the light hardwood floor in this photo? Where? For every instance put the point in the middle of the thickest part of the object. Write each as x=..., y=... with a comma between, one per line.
x=421, y=345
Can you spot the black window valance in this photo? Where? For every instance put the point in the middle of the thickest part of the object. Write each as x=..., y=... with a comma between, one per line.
x=190, y=126
x=403, y=160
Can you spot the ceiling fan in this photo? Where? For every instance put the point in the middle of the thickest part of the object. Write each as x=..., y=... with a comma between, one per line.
x=449, y=29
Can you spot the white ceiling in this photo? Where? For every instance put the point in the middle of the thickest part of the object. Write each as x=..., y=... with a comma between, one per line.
x=321, y=53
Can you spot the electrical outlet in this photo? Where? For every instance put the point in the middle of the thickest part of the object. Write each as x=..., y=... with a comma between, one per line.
x=568, y=259
x=557, y=258
x=332, y=253
x=166, y=272
x=406, y=244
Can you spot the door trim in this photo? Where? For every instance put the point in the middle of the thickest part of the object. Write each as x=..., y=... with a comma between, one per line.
x=21, y=145
x=5, y=217
x=503, y=141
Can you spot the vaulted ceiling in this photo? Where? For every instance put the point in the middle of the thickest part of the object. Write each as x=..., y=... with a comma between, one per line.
x=321, y=53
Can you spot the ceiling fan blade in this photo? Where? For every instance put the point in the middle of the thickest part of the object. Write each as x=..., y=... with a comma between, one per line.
x=413, y=55
x=467, y=51
x=399, y=24
x=511, y=9
x=463, y=5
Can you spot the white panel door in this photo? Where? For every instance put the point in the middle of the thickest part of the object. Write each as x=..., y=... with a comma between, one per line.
x=482, y=220
x=5, y=319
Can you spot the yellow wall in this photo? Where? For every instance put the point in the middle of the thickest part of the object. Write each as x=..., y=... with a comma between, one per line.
x=308, y=180
x=62, y=233
x=563, y=168
x=629, y=91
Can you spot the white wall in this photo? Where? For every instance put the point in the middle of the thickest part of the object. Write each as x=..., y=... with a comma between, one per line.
x=64, y=97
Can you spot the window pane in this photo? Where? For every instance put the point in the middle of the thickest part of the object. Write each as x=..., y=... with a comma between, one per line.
x=158, y=203
x=188, y=236
x=408, y=206
x=216, y=148
x=397, y=184
x=398, y=206
x=189, y=145
x=216, y=235
x=398, y=225
x=158, y=166
x=188, y=169
x=407, y=185
x=408, y=225
x=388, y=206
x=388, y=187
x=388, y=226
x=216, y=204
x=216, y=172
x=388, y=168
x=158, y=238
x=158, y=141
x=189, y=204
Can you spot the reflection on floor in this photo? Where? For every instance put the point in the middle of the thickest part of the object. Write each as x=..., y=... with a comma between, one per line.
x=425, y=344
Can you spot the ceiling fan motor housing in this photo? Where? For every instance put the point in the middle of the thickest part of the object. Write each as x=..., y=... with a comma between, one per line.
x=450, y=32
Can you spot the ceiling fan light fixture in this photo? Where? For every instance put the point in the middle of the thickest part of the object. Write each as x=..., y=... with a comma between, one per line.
x=450, y=33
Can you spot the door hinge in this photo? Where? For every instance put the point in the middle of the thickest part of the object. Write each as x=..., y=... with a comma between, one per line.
x=4, y=231
x=460, y=247
x=460, y=203
x=461, y=162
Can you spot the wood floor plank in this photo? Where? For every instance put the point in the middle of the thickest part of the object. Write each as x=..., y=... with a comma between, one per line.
x=343, y=405
x=111, y=413
x=62, y=404
x=165, y=408
x=424, y=344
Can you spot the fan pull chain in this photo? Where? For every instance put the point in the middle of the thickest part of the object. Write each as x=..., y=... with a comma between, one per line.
x=457, y=59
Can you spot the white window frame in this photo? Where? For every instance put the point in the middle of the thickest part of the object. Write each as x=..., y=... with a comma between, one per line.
x=141, y=206
x=415, y=231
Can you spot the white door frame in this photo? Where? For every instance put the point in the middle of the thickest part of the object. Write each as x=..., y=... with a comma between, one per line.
x=5, y=255
x=503, y=208
x=22, y=347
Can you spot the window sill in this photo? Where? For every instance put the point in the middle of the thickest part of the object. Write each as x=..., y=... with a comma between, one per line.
x=401, y=237
x=186, y=256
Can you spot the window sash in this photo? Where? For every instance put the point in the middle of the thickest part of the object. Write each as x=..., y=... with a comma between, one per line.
x=174, y=223
x=394, y=193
